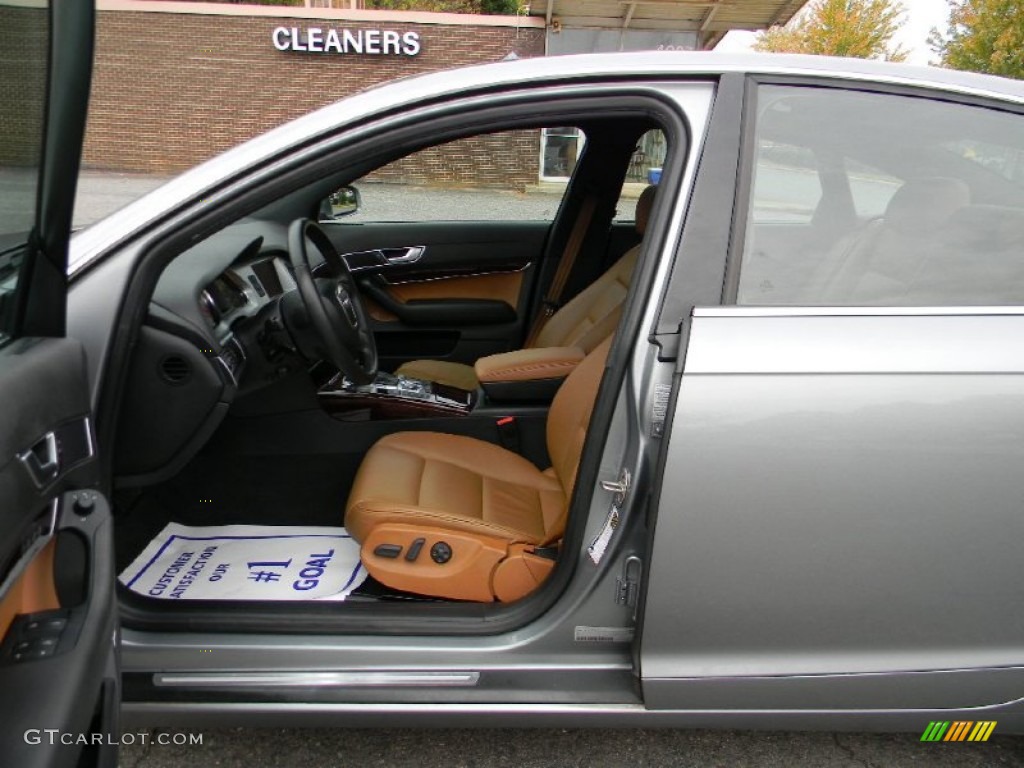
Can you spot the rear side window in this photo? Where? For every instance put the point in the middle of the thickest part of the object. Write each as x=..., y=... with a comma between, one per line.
x=871, y=188
x=880, y=200
x=787, y=187
x=24, y=42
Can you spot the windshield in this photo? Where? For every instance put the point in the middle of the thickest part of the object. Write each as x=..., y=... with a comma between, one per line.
x=24, y=43
x=24, y=39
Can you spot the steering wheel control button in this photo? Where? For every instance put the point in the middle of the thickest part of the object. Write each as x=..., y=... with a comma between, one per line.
x=441, y=553
x=414, y=550
x=390, y=551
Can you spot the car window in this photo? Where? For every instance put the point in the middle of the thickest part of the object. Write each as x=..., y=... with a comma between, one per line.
x=560, y=149
x=24, y=37
x=871, y=188
x=645, y=168
x=495, y=176
x=926, y=206
x=1008, y=162
x=787, y=187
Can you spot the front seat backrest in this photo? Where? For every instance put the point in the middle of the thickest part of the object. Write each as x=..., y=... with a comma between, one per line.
x=593, y=314
x=568, y=422
x=583, y=322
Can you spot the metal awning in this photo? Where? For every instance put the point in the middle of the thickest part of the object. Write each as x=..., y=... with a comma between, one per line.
x=710, y=19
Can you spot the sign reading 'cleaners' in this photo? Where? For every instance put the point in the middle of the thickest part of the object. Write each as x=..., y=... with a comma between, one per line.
x=375, y=42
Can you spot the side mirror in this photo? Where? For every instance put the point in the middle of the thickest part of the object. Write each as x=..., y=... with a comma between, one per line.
x=340, y=203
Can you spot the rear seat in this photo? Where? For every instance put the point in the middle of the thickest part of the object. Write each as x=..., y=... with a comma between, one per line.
x=978, y=259
x=878, y=264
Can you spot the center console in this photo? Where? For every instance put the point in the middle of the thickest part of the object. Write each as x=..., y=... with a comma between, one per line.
x=393, y=397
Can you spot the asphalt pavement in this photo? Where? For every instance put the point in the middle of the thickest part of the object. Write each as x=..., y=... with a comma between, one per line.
x=517, y=748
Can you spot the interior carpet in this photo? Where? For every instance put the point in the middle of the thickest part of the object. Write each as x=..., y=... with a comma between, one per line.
x=217, y=489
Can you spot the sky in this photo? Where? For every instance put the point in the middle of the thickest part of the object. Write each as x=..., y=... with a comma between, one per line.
x=920, y=17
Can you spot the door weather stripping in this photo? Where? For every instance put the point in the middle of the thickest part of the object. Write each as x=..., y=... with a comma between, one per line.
x=316, y=679
x=619, y=490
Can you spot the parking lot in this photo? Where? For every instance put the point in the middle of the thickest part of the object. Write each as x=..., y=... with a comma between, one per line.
x=101, y=193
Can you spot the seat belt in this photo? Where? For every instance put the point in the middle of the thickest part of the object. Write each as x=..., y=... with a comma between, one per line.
x=552, y=300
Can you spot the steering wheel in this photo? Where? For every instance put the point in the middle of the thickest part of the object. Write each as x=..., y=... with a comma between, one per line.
x=333, y=304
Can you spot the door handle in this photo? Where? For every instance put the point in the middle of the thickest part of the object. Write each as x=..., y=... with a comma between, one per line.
x=42, y=460
x=408, y=255
x=378, y=258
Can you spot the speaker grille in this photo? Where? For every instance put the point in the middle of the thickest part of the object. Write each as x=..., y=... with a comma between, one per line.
x=175, y=369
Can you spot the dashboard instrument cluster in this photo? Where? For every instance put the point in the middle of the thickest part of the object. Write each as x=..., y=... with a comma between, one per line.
x=243, y=290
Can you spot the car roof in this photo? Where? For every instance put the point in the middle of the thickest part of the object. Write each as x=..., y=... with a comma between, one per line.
x=509, y=74
x=660, y=63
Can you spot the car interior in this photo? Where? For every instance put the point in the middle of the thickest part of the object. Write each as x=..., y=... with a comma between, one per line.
x=423, y=387
x=860, y=216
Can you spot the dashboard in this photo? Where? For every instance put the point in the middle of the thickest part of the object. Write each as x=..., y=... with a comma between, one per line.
x=212, y=332
x=219, y=292
x=242, y=290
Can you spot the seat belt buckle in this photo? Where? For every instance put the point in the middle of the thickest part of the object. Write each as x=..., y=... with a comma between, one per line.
x=548, y=308
x=508, y=433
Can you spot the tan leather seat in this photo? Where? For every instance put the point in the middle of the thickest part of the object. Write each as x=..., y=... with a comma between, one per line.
x=488, y=506
x=583, y=322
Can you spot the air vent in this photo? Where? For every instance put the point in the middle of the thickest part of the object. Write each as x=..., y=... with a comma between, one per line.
x=175, y=369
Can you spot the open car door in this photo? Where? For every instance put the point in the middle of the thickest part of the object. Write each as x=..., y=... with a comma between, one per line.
x=58, y=663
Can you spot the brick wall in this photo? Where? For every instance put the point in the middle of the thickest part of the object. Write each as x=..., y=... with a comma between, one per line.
x=173, y=89
x=24, y=41
x=506, y=160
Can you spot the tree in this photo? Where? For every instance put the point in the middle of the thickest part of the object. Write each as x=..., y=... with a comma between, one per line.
x=861, y=29
x=983, y=36
x=500, y=7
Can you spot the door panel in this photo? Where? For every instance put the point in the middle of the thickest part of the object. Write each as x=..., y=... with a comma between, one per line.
x=31, y=592
x=505, y=287
x=840, y=527
x=58, y=658
x=57, y=615
x=466, y=294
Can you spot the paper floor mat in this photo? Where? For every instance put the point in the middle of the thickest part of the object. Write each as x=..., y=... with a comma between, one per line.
x=247, y=562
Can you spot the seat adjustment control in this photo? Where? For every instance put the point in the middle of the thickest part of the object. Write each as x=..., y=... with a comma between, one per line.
x=414, y=550
x=441, y=552
x=390, y=551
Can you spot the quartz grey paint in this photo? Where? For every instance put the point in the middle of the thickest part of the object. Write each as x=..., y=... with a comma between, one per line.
x=845, y=498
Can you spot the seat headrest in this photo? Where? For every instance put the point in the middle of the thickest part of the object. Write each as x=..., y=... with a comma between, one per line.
x=643, y=208
x=920, y=205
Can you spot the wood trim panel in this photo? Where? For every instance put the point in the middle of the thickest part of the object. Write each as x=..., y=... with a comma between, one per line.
x=503, y=286
x=34, y=590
